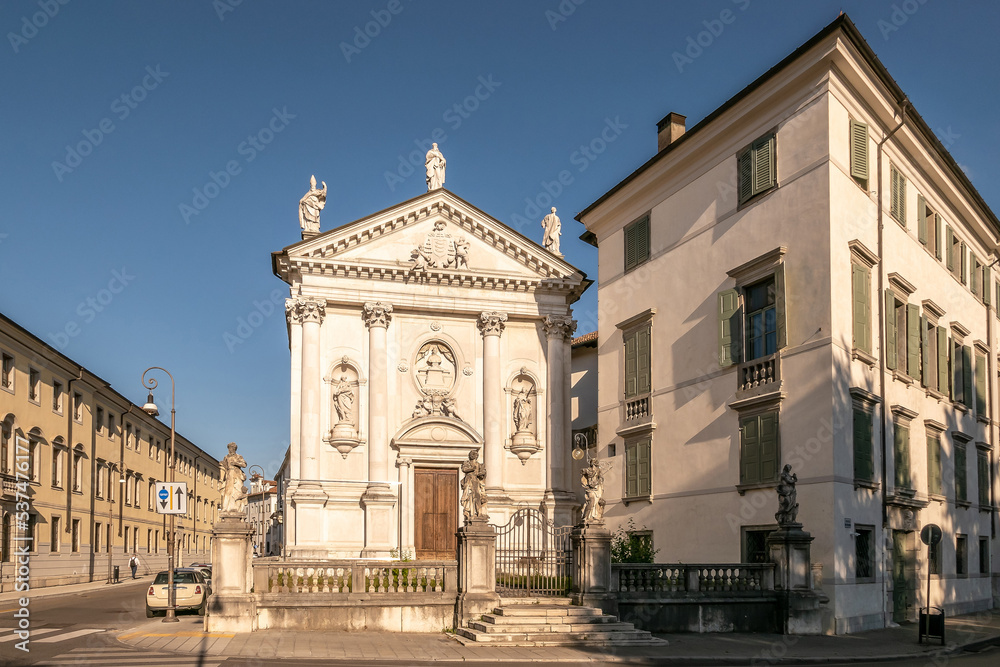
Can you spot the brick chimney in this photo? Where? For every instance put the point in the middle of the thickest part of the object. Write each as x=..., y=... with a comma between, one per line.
x=669, y=130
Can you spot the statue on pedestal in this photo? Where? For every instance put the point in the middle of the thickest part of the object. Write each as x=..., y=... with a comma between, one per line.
x=231, y=476
x=310, y=205
x=788, y=508
x=474, y=489
x=553, y=229
x=343, y=401
x=435, y=164
x=522, y=412
x=592, y=478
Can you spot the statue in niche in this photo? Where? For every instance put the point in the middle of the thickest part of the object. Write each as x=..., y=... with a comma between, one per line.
x=343, y=401
x=231, y=476
x=474, y=489
x=553, y=229
x=435, y=163
x=592, y=478
x=310, y=205
x=788, y=508
x=522, y=412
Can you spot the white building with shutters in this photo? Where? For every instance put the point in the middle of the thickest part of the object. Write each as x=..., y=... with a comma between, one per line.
x=806, y=277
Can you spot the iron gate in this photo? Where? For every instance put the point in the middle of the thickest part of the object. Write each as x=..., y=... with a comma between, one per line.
x=534, y=558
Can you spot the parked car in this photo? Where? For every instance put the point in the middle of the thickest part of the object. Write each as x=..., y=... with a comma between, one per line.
x=206, y=571
x=191, y=592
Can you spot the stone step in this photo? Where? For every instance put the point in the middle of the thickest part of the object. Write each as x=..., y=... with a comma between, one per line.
x=507, y=619
x=546, y=611
x=562, y=628
x=633, y=638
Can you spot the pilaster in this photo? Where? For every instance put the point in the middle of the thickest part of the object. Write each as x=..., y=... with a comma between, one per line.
x=491, y=325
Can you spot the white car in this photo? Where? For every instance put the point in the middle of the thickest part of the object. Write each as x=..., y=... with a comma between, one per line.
x=191, y=592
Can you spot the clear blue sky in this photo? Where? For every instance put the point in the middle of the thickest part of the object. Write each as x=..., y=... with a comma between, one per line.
x=199, y=81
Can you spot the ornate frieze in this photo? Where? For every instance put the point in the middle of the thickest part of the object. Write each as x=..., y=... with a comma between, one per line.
x=302, y=310
x=492, y=323
x=377, y=314
x=559, y=326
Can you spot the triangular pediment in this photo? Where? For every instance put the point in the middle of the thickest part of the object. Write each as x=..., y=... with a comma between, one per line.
x=437, y=236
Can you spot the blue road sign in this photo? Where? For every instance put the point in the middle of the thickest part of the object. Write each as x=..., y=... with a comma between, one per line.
x=163, y=494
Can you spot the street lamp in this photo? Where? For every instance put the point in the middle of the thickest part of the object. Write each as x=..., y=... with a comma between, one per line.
x=260, y=514
x=150, y=409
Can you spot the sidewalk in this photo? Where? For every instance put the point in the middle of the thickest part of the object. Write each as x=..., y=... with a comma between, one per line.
x=67, y=589
x=973, y=632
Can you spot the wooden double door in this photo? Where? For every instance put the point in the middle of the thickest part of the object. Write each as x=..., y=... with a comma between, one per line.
x=435, y=508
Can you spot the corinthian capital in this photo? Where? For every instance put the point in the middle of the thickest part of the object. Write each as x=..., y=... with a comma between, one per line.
x=491, y=323
x=377, y=314
x=559, y=326
x=301, y=310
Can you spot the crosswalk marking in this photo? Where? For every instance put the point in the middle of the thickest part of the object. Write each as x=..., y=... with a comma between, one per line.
x=9, y=635
x=69, y=635
x=114, y=655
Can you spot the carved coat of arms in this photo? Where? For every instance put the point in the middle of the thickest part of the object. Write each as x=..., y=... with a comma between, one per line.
x=439, y=250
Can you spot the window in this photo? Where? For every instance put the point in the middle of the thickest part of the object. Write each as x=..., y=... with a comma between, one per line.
x=934, y=464
x=961, y=373
x=864, y=463
x=76, y=536
x=756, y=168
x=97, y=537
x=78, y=407
x=99, y=420
x=34, y=385
x=31, y=532
x=78, y=470
x=901, y=455
x=149, y=540
x=975, y=274
x=151, y=504
x=861, y=281
x=902, y=335
x=57, y=397
x=33, y=464
x=138, y=440
x=128, y=435
x=964, y=262
x=156, y=542
x=864, y=553
x=159, y=448
x=961, y=556
x=6, y=438
x=637, y=468
x=7, y=539
x=54, y=535
x=859, y=153
x=953, y=247
x=125, y=543
x=127, y=491
x=897, y=195
x=929, y=353
x=137, y=491
x=961, y=482
x=983, y=475
x=636, y=242
x=7, y=373
x=759, y=448
x=928, y=227
x=111, y=426
x=942, y=360
x=57, y=466
x=980, y=384
x=761, y=319
x=755, y=545
x=984, y=555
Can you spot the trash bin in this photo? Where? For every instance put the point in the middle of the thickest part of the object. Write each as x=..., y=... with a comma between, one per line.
x=931, y=624
x=115, y=579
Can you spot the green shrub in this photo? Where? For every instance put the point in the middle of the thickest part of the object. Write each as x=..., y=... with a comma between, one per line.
x=632, y=545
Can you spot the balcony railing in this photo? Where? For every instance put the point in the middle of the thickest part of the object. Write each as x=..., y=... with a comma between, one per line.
x=762, y=373
x=681, y=580
x=636, y=408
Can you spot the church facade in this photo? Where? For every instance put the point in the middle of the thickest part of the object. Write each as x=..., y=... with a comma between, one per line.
x=417, y=335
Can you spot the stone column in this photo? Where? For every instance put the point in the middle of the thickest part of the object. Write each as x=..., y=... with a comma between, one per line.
x=295, y=353
x=477, y=579
x=592, y=567
x=310, y=313
x=491, y=325
x=231, y=608
x=798, y=602
x=404, y=463
x=558, y=328
x=379, y=497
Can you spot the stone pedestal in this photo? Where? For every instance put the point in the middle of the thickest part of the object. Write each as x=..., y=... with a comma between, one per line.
x=379, y=503
x=231, y=608
x=308, y=504
x=789, y=549
x=477, y=579
x=592, y=567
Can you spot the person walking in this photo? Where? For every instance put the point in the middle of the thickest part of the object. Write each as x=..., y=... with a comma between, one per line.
x=133, y=563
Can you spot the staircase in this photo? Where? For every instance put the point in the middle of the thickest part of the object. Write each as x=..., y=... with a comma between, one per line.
x=551, y=622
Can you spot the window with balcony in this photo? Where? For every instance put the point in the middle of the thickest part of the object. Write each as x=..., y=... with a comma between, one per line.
x=636, y=363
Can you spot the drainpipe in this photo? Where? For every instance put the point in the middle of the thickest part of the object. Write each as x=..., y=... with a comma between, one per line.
x=121, y=472
x=70, y=468
x=990, y=369
x=881, y=334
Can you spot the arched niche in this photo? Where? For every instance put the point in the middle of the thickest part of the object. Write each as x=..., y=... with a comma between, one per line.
x=522, y=414
x=344, y=405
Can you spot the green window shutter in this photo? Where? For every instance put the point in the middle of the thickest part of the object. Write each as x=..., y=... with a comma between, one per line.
x=642, y=468
x=974, y=273
x=744, y=174
x=956, y=372
x=942, y=361
x=631, y=358
x=922, y=219
x=933, y=465
x=897, y=195
x=764, y=166
x=769, y=447
x=901, y=455
x=642, y=361
x=949, y=242
x=890, y=330
x=912, y=340
x=937, y=236
x=983, y=477
x=926, y=352
x=729, y=327
x=642, y=240
x=861, y=287
x=630, y=256
x=967, y=375
x=863, y=460
x=750, y=454
x=961, y=480
x=779, y=305
x=631, y=467
x=859, y=150
x=964, y=263
x=980, y=385
x=987, y=285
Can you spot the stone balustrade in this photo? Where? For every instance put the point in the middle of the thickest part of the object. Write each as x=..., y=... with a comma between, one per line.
x=761, y=374
x=341, y=577
x=679, y=580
